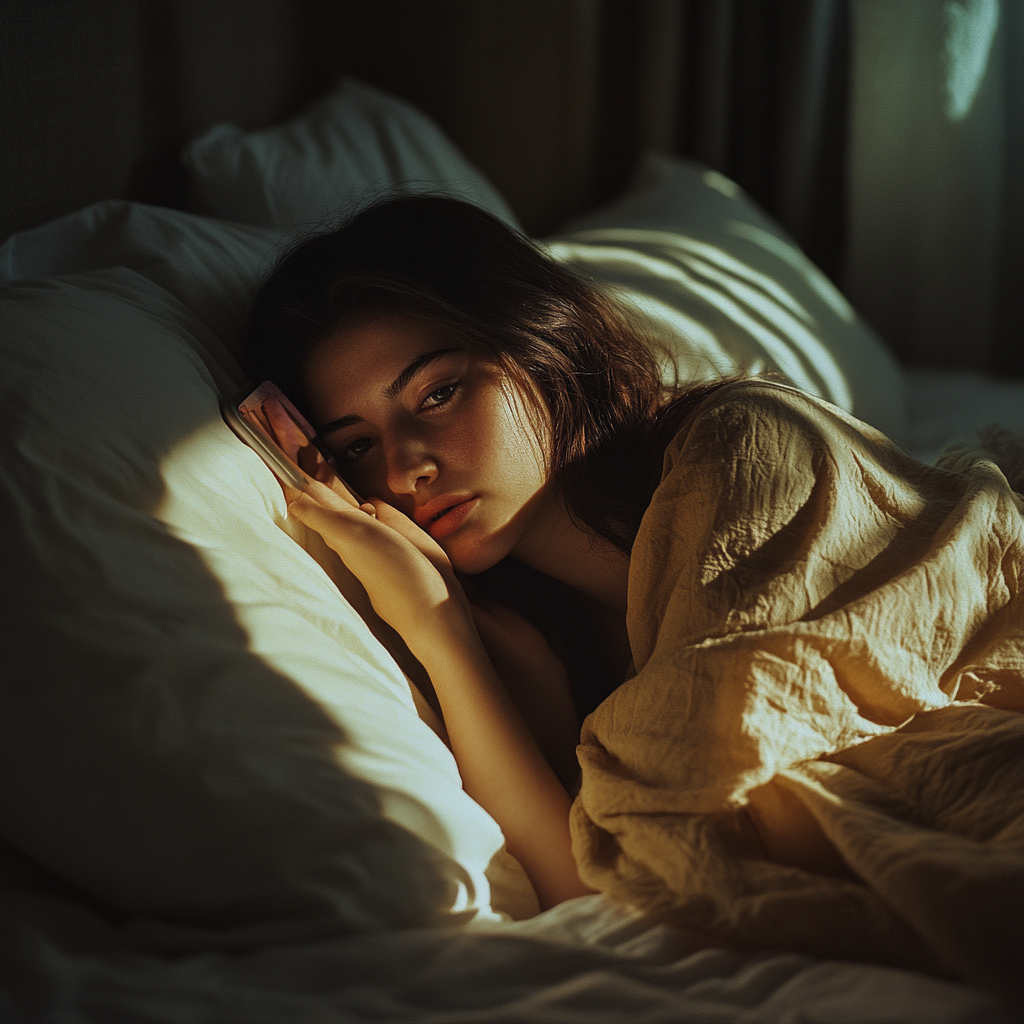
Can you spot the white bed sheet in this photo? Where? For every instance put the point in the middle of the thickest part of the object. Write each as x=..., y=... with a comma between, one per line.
x=585, y=961
x=953, y=405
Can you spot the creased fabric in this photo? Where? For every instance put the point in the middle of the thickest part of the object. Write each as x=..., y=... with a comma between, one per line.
x=821, y=749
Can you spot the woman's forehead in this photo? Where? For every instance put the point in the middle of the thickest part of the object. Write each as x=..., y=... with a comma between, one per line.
x=373, y=358
x=381, y=338
x=375, y=348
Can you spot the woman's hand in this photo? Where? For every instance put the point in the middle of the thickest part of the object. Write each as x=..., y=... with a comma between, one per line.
x=406, y=574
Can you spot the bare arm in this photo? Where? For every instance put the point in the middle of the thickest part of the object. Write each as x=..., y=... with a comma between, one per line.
x=413, y=588
x=502, y=767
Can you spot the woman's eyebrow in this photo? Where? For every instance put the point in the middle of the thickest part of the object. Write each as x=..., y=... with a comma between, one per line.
x=330, y=428
x=392, y=391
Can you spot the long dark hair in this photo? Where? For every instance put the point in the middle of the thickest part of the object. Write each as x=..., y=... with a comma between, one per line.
x=451, y=264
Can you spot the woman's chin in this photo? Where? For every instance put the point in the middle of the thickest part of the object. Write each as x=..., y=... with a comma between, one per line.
x=471, y=558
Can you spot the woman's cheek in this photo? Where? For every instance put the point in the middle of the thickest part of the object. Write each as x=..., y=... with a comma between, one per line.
x=366, y=485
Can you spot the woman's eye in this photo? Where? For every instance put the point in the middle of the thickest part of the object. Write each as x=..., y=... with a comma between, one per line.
x=440, y=397
x=356, y=450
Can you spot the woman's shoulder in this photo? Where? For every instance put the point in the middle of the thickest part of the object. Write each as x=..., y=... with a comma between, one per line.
x=765, y=436
x=764, y=393
x=763, y=412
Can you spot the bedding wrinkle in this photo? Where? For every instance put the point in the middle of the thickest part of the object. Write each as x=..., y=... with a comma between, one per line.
x=822, y=747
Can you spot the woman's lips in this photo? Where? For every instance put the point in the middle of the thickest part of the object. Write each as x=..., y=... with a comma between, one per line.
x=451, y=520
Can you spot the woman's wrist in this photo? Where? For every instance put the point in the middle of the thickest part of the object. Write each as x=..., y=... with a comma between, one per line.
x=445, y=631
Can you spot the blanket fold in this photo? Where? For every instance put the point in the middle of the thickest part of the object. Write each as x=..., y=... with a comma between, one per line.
x=822, y=747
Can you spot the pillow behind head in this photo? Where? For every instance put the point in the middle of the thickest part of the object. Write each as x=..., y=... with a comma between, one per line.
x=353, y=146
x=197, y=731
x=726, y=291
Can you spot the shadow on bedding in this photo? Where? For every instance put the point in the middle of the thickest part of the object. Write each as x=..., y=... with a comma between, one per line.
x=155, y=759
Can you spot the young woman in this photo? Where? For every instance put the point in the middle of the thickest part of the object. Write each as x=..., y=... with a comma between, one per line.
x=767, y=552
x=462, y=382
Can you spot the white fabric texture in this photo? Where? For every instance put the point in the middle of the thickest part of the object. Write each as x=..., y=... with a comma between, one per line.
x=197, y=727
x=720, y=284
x=353, y=146
x=584, y=962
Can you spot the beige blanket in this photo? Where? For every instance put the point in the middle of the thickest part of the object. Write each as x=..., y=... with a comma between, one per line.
x=822, y=747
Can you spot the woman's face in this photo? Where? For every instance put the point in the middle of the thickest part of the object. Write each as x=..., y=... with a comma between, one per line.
x=428, y=425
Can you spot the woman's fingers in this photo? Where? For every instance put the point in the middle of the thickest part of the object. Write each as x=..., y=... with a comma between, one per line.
x=323, y=512
x=403, y=525
x=405, y=572
x=341, y=522
x=332, y=497
x=389, y=516
x=404, y=586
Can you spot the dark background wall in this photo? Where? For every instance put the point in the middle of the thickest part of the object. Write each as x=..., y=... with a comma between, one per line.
x=554, y=100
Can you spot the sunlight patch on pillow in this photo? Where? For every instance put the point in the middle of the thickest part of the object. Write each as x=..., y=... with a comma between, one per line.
x=197, y=728
x=687, y=238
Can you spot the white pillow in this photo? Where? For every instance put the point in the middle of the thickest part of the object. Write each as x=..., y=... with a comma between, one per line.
x=354, y=146
x=196, y=728
x=724, y=288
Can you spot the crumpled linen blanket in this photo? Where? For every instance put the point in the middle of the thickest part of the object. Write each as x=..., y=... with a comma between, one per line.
x=822, y=747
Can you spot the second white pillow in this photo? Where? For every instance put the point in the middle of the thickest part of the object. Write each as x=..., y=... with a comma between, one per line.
x=353, y=146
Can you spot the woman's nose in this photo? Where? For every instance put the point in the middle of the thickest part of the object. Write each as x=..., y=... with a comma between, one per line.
x=409, y=469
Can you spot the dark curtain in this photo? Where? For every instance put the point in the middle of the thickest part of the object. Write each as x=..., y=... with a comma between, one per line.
x=812, y=106
x=886, y=136
x=760, y=95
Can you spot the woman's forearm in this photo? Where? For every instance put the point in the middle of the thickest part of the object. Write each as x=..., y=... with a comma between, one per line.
x=412, y=587
x=501, y=766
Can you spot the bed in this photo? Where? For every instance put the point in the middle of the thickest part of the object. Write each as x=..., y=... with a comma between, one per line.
x=220, y=801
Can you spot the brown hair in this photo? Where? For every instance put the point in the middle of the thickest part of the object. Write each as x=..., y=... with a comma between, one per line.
x=451, y=264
